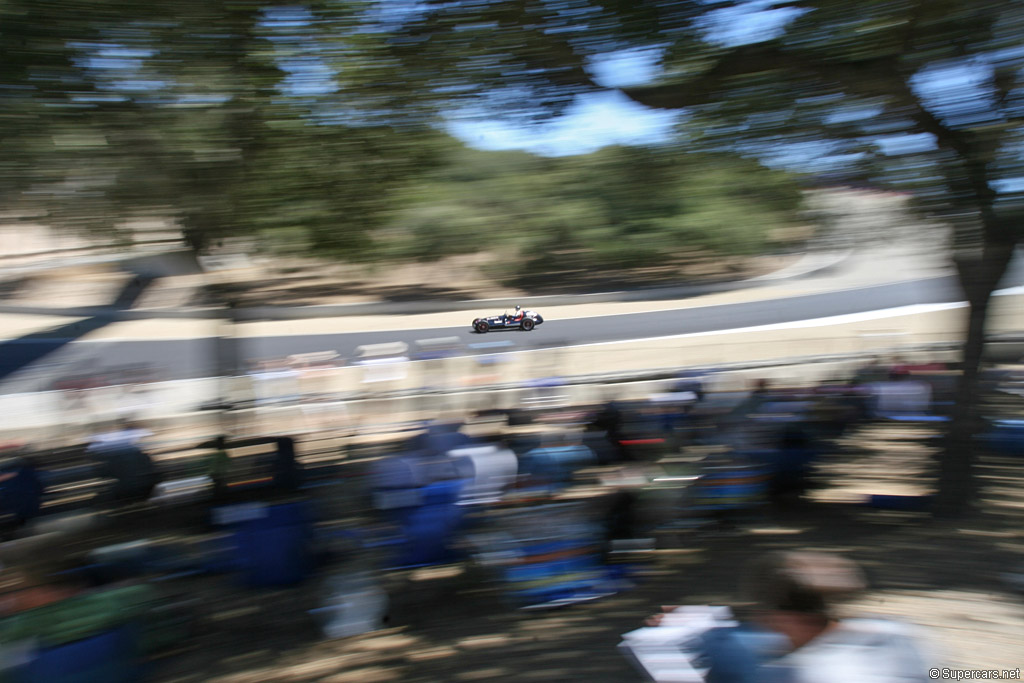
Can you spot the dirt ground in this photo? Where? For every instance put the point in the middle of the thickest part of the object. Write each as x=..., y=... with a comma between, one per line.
x=283, y=281
x=304, y=282
x=452, y=624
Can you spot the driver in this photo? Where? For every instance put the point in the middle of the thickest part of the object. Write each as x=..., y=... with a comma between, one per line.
x=518, y=315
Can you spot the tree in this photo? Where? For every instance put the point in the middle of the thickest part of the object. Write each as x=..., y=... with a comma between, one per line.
x=231, y=118
x=620, y=212
x=921, y=95
x=308, y=128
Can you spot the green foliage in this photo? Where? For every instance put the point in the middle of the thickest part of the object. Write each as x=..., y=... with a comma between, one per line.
x=613, y=209
x=314, y=129
x=829, y=84
x=430, y=232
x=232, y=118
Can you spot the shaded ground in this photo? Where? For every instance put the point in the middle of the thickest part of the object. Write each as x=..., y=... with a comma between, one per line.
x=65, y=287
x=448, y=624
x=17, y=353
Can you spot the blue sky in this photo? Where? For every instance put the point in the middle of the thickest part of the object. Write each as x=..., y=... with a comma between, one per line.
x=598, y=120
x=957, y=91
x=592, y=122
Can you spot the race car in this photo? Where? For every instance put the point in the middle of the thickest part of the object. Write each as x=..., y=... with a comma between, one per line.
x=508, y=321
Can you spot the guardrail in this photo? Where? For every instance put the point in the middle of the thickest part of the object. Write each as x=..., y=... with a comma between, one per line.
x=346, y=394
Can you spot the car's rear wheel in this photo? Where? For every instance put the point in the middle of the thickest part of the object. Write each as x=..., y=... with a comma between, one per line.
x=482, y=327
x=527, y=324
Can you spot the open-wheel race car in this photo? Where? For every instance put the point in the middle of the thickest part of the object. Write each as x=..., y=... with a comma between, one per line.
x=518, y=320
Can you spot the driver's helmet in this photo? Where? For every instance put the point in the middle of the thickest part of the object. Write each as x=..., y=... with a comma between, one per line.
x=517, y=310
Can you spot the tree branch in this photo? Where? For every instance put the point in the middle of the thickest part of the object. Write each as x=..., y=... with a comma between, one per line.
x=881, y=77
x=861, y=77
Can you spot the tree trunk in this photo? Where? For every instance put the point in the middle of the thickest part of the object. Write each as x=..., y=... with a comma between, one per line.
x=957, y=485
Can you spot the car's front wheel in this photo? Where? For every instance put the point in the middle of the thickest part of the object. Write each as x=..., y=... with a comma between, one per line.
x=482, y=327
x=527, y=324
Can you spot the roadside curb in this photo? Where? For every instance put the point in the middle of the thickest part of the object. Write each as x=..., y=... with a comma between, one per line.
x=197, y=417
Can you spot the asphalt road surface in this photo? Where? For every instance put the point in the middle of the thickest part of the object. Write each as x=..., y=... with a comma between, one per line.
x=193, y=358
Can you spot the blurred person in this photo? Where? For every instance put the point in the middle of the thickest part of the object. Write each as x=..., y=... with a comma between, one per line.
x=795, y=635
x=735, y=426
x=761, y=393
x=792, y=463
x=835, y=407
x=120, y=456
x=218, y=466
x=623, y=511
x=123, y=433
x=518, y=315
x=21, y=489
x=903, y=394
x=795, y=594
x=874, y=370
x=605, y=434
x=898, y=368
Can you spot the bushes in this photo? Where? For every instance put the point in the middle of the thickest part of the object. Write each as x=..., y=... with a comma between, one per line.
x=616, y=209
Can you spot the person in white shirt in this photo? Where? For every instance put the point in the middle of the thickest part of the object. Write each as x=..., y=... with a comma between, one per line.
x=123, y=434
x=794, y=635
x=795, y=593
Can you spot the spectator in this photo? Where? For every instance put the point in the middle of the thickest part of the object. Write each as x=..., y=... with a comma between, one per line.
x=218, y=467
x=21, y=489
x=123, y=434
x=609, y=421
x=120, y=457
x=795, y=635
x=795, y=594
